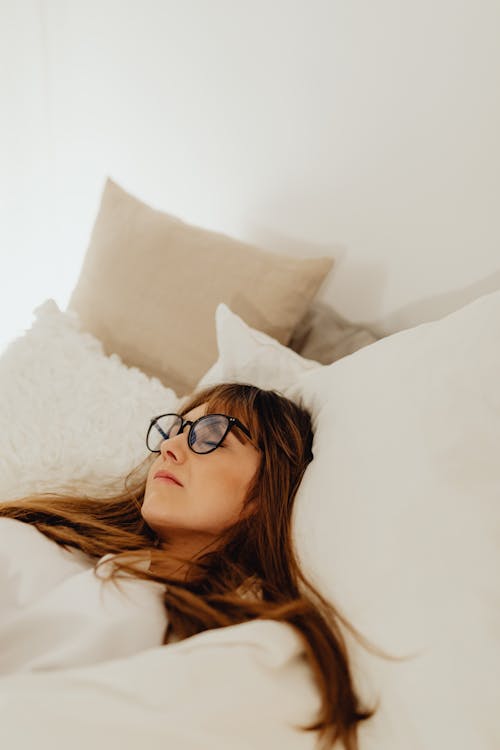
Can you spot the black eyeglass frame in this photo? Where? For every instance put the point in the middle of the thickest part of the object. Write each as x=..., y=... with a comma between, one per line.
x=232, y=422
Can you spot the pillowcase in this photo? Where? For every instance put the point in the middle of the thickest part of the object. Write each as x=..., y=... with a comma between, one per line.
x=150, y=283
x=397, y=519
x=71, y=418
x=244, y=354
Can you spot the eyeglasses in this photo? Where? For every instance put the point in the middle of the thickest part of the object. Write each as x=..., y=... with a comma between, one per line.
x=204, y=436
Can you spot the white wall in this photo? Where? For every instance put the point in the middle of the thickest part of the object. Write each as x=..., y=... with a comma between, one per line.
x=25, y=166
x=368, y=131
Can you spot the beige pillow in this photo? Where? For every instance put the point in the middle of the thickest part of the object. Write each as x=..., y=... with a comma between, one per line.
x=150, y=284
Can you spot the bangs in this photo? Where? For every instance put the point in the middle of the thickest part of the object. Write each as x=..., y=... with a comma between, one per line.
x=233, y=400
x=240, y=410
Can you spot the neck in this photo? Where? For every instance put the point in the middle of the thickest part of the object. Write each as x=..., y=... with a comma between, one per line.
x=180, y=553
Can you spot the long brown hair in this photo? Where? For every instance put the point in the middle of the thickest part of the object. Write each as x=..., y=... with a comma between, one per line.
x=257, y=549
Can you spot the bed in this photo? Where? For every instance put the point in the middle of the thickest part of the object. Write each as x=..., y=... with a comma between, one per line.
x=397, y=519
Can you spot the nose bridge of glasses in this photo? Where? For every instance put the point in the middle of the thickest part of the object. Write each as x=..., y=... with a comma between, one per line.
x=167, y=439
x=181, y=425
x=184, y=423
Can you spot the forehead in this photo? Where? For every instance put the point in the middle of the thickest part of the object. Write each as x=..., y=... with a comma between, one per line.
x=196, y=413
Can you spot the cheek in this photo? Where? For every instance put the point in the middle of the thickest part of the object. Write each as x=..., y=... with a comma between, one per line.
x=239, y=481
x=149, y=478
x=219, y=492
x=152, y=495
x=147, y=501
x=149, y=484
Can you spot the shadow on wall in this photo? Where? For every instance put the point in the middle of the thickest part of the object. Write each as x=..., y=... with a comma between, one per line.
x=435, y=307
x=362, y=280
x=367, y=281
x=325, y=334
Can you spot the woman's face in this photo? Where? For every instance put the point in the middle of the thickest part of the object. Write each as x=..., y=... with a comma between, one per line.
x=211, y=492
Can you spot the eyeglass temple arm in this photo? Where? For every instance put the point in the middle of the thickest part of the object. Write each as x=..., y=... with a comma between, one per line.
x=242, y=427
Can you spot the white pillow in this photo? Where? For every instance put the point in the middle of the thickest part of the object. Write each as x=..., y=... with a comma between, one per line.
x=244, y=354
x=398, y=516
x=71, y=417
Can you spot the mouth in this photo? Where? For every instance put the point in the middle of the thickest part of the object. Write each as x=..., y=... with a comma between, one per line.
x=167, y=477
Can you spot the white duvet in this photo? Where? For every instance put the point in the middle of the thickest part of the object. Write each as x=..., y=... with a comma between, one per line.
x=82, y=665
x=56, y=613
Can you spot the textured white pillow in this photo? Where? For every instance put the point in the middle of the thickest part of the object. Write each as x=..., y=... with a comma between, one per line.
x=398, y=515
x=70, y=416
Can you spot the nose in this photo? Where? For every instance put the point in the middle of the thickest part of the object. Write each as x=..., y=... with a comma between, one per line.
x=175, y=448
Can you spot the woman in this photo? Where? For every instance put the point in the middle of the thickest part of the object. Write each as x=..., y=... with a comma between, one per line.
x=213, y=522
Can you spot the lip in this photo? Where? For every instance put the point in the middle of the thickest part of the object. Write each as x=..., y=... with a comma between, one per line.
x=167, y=476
